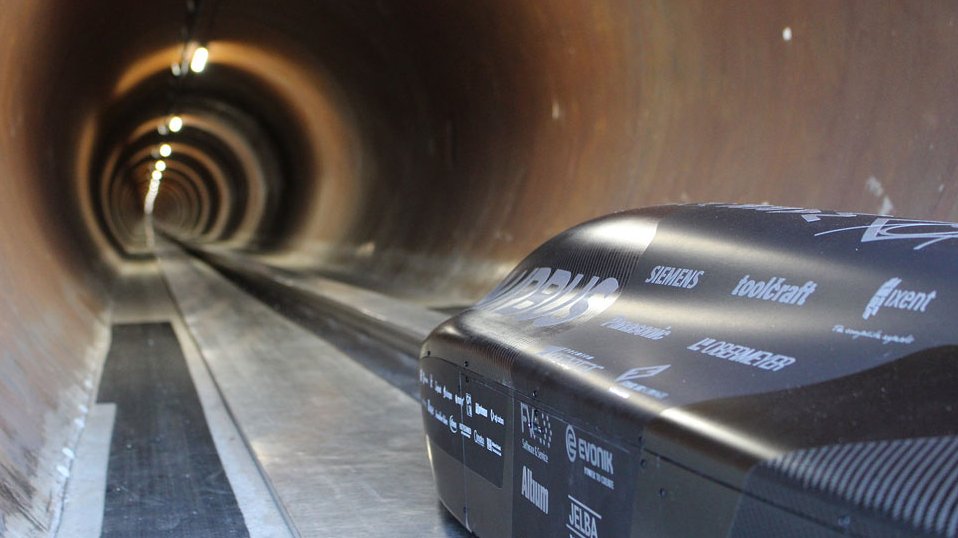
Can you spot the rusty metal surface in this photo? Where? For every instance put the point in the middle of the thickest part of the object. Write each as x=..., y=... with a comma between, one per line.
x=485, y=128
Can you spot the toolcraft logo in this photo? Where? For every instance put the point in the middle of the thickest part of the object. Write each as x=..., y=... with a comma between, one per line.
x=549, y=297
x=889, y=296
x=775, y=290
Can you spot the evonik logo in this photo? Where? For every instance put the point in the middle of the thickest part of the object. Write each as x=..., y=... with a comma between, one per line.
x=577, y=447
x=550, y=297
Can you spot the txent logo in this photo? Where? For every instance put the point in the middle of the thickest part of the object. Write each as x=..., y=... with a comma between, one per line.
x=889, y=296
x=549, y=297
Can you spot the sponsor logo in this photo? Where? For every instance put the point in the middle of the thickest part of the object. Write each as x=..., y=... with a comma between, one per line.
x=571, y=446
x=534, y=492
x=536, y=425
x=889, y=296
x=774, y=289
x=678, y=277
x=765, y=360
x=637, y=329
x=549, y=297
x=639, y=373
x=570, y=359
x=627, y=380
x=928, y=232
x=583, y=521
x=578, y=448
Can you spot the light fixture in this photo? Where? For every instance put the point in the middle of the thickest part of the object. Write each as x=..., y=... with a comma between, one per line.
x=156, y=175
x=175, y=124
x=166, y=150
x=160, y=166
x=200, y=56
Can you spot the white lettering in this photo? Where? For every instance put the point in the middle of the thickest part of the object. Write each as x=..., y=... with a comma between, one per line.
x=637, y=329
x=888, y=295
x=570, y=359
x=677, y=277
x=595, y=457
x=551, y=297
x=774, y=289
x=874, y=335
x=583, y=521
x=764, y=360
x=534, y=492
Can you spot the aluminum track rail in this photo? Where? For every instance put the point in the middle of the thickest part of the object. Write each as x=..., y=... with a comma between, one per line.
x=342, y=449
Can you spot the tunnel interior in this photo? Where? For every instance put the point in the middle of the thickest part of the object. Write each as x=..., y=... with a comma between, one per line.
x=419, y=149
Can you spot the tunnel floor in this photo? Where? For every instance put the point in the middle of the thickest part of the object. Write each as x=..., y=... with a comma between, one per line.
x=218, y=416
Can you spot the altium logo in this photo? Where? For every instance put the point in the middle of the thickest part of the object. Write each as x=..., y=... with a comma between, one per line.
x=889, y=296
x=548, y=296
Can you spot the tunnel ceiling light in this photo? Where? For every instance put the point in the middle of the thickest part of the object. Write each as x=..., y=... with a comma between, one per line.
x=200, y=56
x=166, y=150
x=175, y=124
x=156, y=175
x=160, y=165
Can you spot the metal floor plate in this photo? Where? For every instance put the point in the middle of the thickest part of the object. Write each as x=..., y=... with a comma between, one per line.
x=165, y=477
x=343, y=450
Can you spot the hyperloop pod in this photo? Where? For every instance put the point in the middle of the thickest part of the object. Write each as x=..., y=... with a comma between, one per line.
x=706, y=370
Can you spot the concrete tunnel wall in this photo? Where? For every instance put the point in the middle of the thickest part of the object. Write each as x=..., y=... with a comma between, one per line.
x=420, y=148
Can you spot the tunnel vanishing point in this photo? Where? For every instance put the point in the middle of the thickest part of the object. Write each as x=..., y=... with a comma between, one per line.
x=418, y=149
